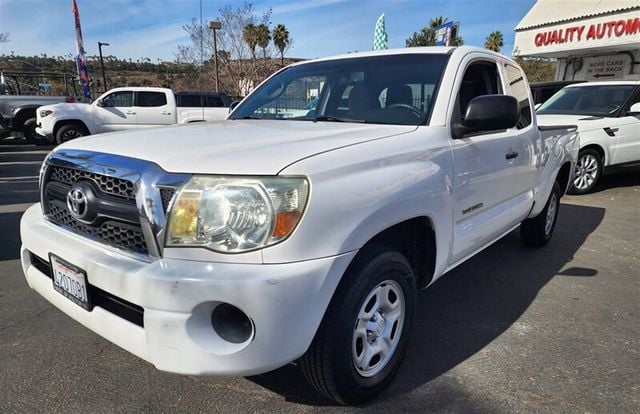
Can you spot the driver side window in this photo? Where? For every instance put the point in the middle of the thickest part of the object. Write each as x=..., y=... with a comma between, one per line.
x=121, y=99
x=480, y=78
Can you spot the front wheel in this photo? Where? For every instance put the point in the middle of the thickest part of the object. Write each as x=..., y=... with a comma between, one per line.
x=70, y=131
x=363, y=337
x=537, y=231
x=587, y=173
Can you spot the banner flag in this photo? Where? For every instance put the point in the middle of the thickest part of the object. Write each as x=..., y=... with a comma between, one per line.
x=380, y=34
x=81, y=59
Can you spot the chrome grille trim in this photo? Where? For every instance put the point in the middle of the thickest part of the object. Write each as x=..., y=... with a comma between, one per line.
x=147, y=180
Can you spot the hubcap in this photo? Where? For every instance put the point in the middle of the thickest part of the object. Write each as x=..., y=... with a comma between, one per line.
x=551, y=213
x=378, y=328
x=71, y=134
x=586, y=172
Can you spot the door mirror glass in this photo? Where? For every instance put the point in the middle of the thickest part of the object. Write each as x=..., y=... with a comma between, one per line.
x=490, y=113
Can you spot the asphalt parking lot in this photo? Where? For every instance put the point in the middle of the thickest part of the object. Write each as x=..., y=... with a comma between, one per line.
x=512, y=330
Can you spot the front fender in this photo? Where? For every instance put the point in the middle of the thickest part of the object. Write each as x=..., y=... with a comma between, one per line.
x=361, y=190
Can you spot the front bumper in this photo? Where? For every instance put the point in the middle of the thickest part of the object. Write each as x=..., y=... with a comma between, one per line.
x=45, y=125
x=285, y=302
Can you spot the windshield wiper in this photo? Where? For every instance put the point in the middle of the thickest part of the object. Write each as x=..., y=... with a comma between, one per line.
x=329, y=118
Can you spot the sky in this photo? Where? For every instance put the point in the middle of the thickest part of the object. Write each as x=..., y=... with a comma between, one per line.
x=153, y=28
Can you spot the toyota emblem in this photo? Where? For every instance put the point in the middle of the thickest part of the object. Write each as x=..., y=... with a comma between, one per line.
x=77, y=203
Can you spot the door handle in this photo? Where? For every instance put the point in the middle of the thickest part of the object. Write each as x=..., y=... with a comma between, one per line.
x=611, y=131
x=165, y=113
x=511, y=155
x=130, y=113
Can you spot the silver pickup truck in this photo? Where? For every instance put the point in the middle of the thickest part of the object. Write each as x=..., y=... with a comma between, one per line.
x=236, y=247
x=19, y=114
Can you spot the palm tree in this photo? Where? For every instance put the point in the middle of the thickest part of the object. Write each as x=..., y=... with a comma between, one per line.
x=427, y=35
x=249, y=34
x=263, y=37
x=494, y=41
x=281, y=40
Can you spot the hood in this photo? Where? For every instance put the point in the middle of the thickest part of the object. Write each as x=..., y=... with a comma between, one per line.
x=63, y=108
x=583, y=122
x=243, y=147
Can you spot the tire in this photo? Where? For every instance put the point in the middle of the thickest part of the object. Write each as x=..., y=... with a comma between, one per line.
x=537, y=231
x=70, y=131
x=30, y=134
x=587, y=173
x=346, y=333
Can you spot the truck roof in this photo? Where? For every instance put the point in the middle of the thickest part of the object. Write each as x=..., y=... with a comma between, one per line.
x=441, y=50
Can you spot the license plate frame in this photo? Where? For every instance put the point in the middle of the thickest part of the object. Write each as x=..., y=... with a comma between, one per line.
x=70, y=281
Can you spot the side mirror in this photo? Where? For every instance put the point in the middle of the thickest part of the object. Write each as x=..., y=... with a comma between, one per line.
x=538, y=105
x=99, y=103
x=634, y=110
x=489, y=113
x=233, y=105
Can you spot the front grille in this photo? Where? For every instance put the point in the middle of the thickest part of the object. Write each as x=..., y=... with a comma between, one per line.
x=113, y=233
x=167, y=195
x=108, y=185
x=116, y=224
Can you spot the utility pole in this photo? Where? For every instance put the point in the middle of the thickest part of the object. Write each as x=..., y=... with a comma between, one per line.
x=104, y=79
x=215, y=25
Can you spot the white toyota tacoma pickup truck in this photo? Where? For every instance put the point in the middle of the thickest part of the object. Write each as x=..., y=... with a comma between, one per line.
x=129, y=108
x=607, y=115
x=236, y=247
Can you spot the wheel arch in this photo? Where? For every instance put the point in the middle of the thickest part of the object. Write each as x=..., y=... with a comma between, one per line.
x=415, y=239
x=563, y=177
x=22, y=115
x=598, y=148
x=64, y=122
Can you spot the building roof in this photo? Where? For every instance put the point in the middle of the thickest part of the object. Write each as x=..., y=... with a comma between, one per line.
x=548, y=12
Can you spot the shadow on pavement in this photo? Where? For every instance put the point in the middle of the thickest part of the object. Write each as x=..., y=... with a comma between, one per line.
x=469, y=307
x=617, y=178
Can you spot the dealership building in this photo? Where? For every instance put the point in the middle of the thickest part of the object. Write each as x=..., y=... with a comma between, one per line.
x=591, y=39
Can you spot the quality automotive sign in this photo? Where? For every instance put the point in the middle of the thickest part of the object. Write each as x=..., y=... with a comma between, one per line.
x=620, y=31
x=617, y=28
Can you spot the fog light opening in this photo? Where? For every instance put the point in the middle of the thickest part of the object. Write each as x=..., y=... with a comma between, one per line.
x=231, y=323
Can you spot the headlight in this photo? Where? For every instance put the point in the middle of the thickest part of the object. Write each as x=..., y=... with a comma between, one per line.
x=233, y=215
x=45, y=112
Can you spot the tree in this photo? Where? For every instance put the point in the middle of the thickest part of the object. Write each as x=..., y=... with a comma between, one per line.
x=427, y=35
x=494, y=41
x=4, y=37
x=263, y=38
x=237, y=68
x=281, y=40
x=250, y=36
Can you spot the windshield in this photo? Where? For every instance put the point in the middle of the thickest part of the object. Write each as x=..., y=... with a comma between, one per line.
x=601, y=100
x=395, y=89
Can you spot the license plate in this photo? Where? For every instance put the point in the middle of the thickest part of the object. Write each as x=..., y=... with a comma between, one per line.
x=71, y=281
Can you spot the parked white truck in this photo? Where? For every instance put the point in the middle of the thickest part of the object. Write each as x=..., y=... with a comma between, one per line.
x=236, y=247
x=607, y=115
x=130, y=108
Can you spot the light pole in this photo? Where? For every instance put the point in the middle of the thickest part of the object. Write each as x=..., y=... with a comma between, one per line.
x=104, y=79
x=215, y=25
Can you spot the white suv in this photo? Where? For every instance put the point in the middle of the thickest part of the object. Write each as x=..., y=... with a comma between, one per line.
x=608, y=118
